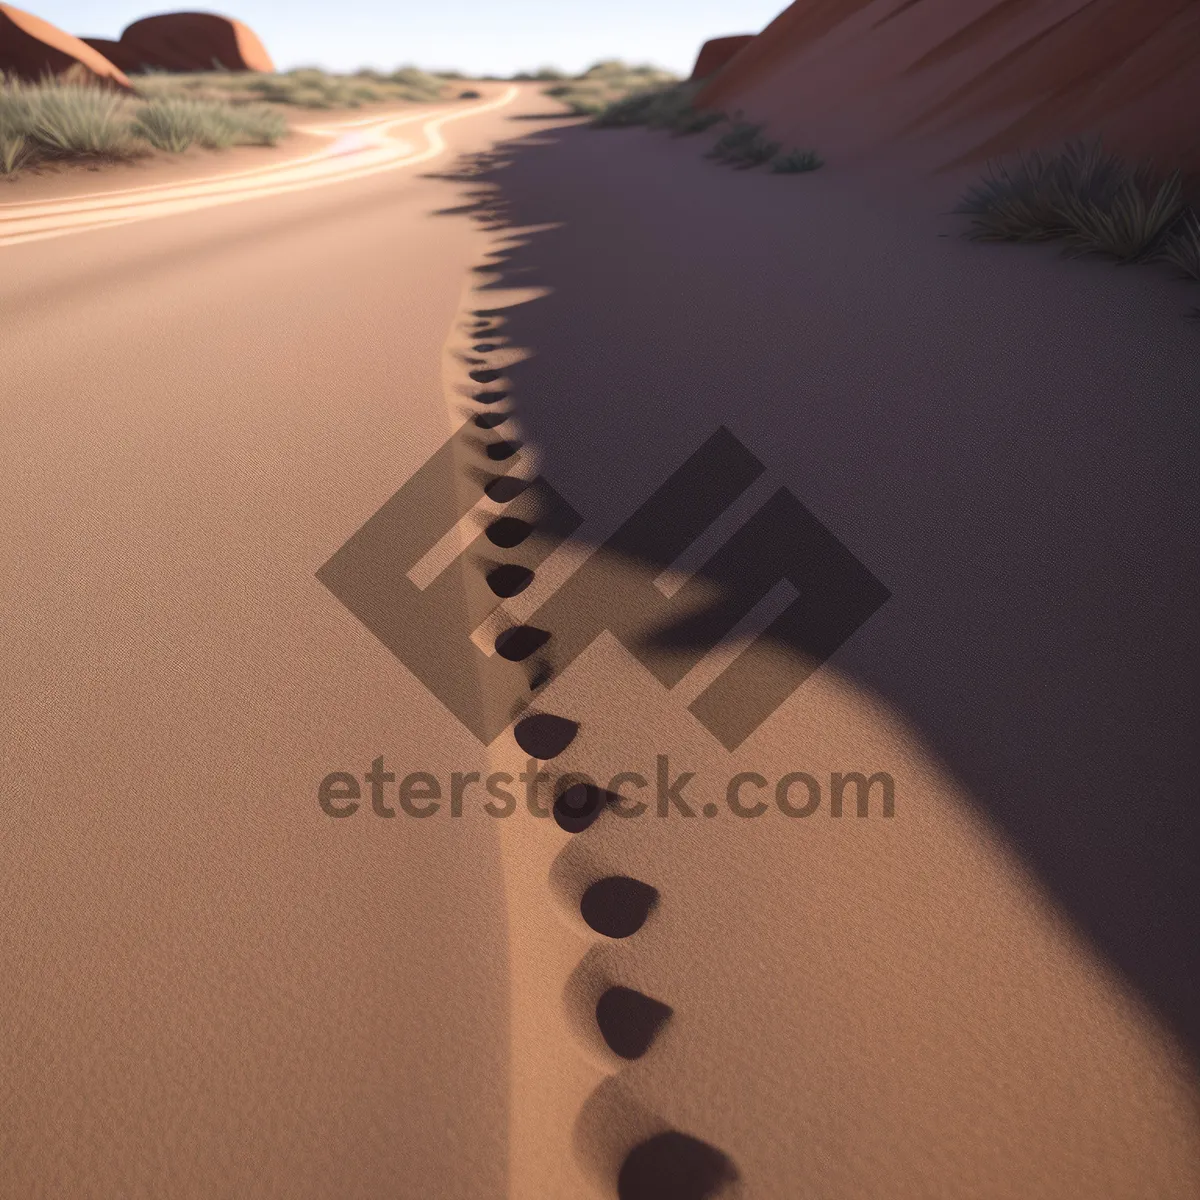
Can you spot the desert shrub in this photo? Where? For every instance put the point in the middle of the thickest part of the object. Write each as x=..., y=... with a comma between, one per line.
x=673, y=108
x=258, y=125
x=417, y=84
x=583, y=105
x=54, y=119
x=696, y=122
x=304, y=87
x=1092, y=201
x=659, y=107
x=732, y=145
x=175, y=124
x=796, y=161
x=542, y=75
x=14, y=150
x=1181, y=246
x=16, y=128
x=754, y=153
x=72, y=120
x=609, y=83
x=1127, y=222
x=629, y=110
x=170, y=124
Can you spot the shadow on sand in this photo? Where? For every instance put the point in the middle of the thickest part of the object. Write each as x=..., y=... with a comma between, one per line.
x=1014, y=462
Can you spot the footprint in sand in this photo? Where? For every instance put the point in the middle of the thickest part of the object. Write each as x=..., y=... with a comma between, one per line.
x=518, y=642
x=507, y=532
x=618, y=906
x=670, y=1165
x=629, y=1020
x=508, y=579
x=674, y=1166
x=544, y=735
x=499, y=451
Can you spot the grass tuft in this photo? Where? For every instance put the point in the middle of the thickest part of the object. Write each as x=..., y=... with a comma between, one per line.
x=755, y=153
x=59, y=120
x=14, y=150
x=72, y=120
x=304, y=87
x=696, y=122
x=169, y=123
x=670, y=107
x=742, y=143
x=175, y=123
x=605, y=85
x=1181, y=246
x=1092, y=201
x=796, y=161
x=661, y=107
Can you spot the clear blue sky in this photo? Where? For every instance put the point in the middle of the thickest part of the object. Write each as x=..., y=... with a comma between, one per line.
x=476, y=36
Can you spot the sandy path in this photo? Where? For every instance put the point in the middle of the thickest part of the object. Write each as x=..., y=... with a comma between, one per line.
x=209, y=987
x=218, y=990
x=356, y=149
x=992, y=993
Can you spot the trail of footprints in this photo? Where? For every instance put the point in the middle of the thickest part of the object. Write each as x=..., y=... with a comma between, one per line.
x=670, y=1165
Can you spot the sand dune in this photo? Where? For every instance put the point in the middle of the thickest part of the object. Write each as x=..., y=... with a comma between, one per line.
x=942, y=82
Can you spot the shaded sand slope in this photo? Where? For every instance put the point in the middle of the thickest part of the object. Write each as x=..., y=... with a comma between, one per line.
x=939, y=81
x=993, y=993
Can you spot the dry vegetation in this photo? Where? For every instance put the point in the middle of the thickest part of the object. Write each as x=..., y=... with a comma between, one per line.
x=63, y=120
x=739, y=144
x=604, y=84
x=1089, y=202
x=304, y=87
x=72, y=118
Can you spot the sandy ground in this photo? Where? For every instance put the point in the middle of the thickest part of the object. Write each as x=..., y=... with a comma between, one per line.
x=210, y=988
x=217, y=990
x=54, y=181
x=993, y=993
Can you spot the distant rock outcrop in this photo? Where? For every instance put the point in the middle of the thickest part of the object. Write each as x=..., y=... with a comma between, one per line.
x=949, y=83
x=716, y=52
x=116, y=54
x=31, y=48
x=187, y=41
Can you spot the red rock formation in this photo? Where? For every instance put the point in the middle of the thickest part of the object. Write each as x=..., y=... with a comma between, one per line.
x=953, y=82
x=716, y=52
x=31, y=48
x=189, y=41
x=115, y=52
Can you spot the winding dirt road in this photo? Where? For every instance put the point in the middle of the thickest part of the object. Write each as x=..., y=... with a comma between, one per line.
x=209, y=988
x=359, y=149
